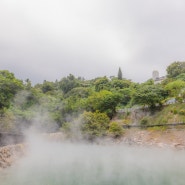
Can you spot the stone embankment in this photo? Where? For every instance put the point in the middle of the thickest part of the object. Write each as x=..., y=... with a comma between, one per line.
x=9, y=154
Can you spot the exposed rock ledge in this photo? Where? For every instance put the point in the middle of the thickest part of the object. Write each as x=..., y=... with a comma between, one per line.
x=169, y=138
x=9, y=154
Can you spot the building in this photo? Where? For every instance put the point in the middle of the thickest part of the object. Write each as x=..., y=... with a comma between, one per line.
x=157, y=79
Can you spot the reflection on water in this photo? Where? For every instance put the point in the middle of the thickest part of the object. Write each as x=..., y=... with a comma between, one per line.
x=78, y=164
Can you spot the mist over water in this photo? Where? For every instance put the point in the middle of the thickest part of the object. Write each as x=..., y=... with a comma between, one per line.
x=52, y=163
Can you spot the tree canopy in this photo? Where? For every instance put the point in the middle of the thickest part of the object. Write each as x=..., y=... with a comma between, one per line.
x=149, y=95
x=9, y=86
x=175, y=69
x=175, y=88
x=68, y=98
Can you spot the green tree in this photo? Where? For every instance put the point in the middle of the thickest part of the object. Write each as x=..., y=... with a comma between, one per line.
x=73, y=105
x=176, y=88
x=180, y=77
x=9, y=86
x=149, y=95
x=120, y=77
x=120, y=84
x=125, y=96
x=175, y=69
x=102, y=84
x=74, y=100
x=149, y=82
x=103, y=101
x=28, y=84
x=48, y=87
x=79, y=92
x=68, y=83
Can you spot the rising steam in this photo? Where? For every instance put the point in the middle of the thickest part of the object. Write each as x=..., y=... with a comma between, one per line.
x=66, y=163
x=62, y=162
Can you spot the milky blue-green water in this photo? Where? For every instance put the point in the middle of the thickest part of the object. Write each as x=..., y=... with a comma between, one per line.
x=82, y=164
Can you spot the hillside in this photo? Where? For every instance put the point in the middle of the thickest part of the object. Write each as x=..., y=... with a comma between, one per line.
x=91, y=105
x=168, y=114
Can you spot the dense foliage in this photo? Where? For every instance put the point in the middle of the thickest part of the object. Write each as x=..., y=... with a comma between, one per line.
x=116, y=129
x=175, y=69
x=9, y=86
x=53, y=104
x=150, y=95
x=94, y=124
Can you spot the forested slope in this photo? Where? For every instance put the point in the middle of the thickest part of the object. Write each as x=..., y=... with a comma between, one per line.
x=90, y=106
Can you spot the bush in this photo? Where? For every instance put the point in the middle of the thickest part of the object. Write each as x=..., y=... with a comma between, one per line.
x=94, y=124
x=126, y=121
x=174, y=111
x=182, y=112
x=7, y=121
x=116, y=129
x=66, y=127
x=157, y=128
x=144, y=121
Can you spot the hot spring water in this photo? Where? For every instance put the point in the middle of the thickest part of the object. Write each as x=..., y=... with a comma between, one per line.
x=81, y=164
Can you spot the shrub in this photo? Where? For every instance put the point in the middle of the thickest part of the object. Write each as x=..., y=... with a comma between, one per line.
x=182, y=112
x=144, y=121
x=7, y=121
x=116, y=129
x=174, y=111
x=157, y=128
x=66, y=127
x=94, y=124
x=126, y=121
x=163, y=120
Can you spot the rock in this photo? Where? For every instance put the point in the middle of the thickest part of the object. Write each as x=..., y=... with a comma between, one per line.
x=178, y=145
x=10, y=153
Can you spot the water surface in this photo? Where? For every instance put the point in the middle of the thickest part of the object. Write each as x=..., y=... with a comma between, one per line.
x=81, y=164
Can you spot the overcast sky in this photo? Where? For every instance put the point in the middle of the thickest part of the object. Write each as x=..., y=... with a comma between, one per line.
x=49, y=39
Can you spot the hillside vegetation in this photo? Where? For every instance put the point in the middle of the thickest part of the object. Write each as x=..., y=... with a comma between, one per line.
x=165, y=115
x=90, y=107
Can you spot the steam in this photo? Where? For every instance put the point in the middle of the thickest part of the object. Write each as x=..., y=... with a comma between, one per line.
x=36, y=116
x=67, y=163
x=75, y=162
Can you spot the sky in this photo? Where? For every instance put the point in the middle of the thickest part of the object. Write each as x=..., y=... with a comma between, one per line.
x=50, y=39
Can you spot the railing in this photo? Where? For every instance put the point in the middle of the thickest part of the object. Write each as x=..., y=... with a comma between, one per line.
x=154, y=125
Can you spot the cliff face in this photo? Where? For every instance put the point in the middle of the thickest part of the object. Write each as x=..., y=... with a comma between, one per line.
x=9, y=154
